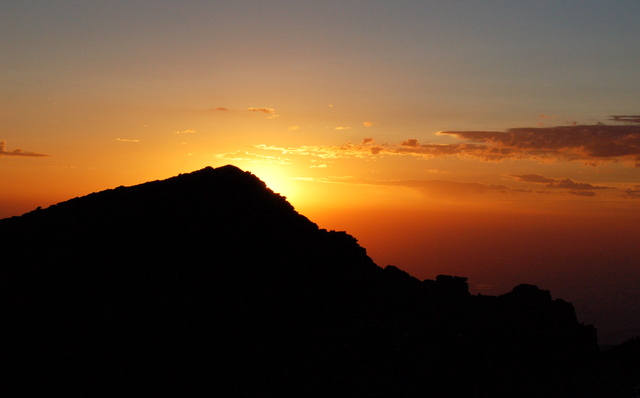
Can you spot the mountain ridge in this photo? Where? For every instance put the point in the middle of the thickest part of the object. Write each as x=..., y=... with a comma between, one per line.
x=160, y=285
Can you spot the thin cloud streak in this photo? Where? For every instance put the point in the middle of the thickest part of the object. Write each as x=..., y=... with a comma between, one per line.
x=625, y=118
x=244, y=156
x=262, y=110
x=556, y=183
x=575, y=188
x=19, y=152
x=432, y=187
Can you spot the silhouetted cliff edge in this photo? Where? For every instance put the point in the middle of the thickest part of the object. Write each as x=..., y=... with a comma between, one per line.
x=209, y=283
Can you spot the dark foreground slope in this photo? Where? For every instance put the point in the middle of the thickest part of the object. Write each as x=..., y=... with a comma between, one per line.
x=209, y=283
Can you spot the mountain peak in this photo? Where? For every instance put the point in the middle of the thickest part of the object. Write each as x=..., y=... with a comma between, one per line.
x=208, y=282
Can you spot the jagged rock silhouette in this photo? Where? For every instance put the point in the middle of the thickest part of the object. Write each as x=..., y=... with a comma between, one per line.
x=210, y=283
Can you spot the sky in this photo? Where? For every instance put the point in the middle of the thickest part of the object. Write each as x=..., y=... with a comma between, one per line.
x=496, y=140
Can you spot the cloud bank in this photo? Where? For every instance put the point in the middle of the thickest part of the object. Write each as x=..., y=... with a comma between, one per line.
x=590, y=144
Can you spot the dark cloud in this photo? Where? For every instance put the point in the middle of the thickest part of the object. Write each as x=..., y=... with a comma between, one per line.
x=632, y=193
x=583, y=193
x=367, y=141
x=411, y=142
x=625, y=118
x=219, y=109
x=536, y=178
x=567, y=183
x=18, y=152
x=591, y=143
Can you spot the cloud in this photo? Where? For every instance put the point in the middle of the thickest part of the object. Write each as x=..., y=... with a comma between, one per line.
x=126, y=140
x=570, y=184
x=567, y=183
x=632, y=193
x=448, y=187
x=625, y=118
x=18, y=152
x=583, y=193
x=293, y=128
x=575, y=188
x=411, y=142
x=219, y=109
x=262, y=110
x=187, y=131
x=342, y=128
x=533, y=178
x=592, y=144
x=368, y=124
x=367, y=141
x=431, y=187
x=252, y=158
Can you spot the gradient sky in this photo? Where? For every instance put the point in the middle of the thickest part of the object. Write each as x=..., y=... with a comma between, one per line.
x=497, y=140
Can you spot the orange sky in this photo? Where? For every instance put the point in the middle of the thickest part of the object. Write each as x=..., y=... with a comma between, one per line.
x=497, y=141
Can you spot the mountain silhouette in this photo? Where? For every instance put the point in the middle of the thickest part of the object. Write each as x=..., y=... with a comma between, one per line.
x=209, y=283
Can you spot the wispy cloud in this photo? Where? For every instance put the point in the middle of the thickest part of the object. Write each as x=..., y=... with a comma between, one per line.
x=245, y=156
x=126, y=140
x=368, y=124
x=187, y=131
x=262, y=110
x=325, y=152
x=220, y=109
x=342, y=128
x=575, y=188
x=18, y=152
x=431, y=187
x=583, y=193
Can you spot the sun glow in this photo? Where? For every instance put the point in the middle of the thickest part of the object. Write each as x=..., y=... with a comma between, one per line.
x=278, y=179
